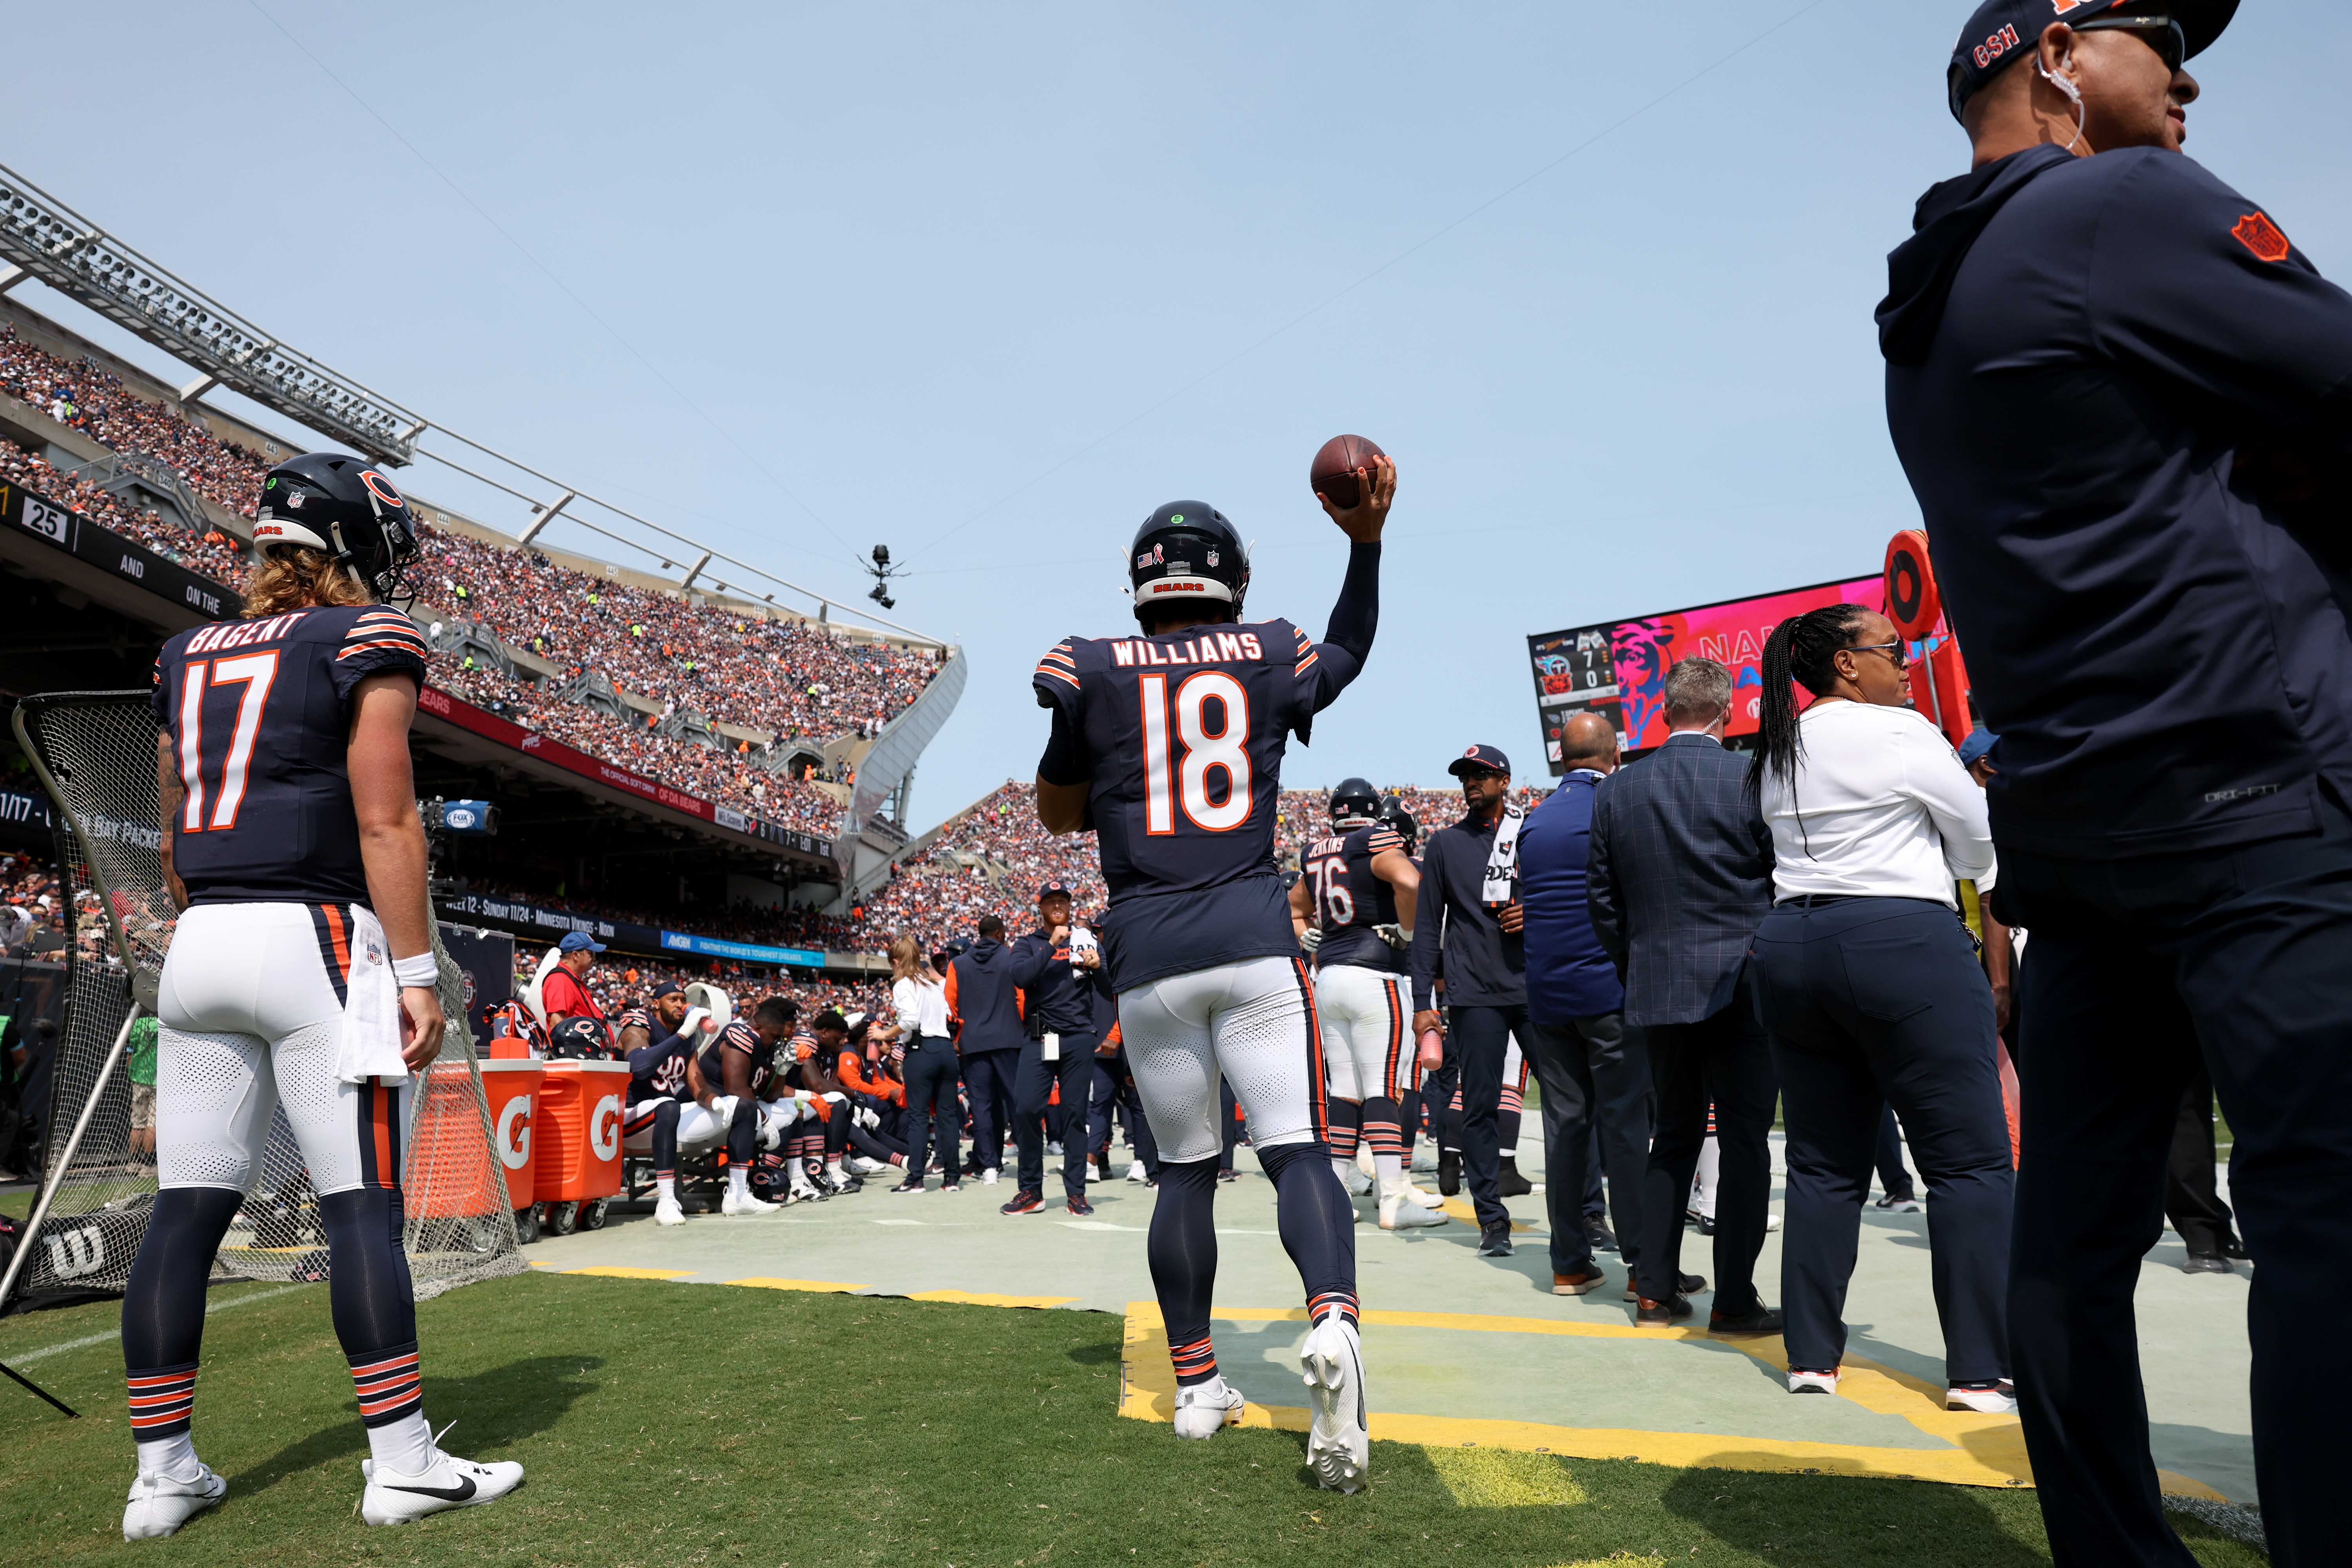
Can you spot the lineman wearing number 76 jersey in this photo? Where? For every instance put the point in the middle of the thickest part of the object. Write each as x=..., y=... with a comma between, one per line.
x=1169, y=745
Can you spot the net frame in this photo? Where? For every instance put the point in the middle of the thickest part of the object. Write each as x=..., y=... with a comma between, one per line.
x=94, y=752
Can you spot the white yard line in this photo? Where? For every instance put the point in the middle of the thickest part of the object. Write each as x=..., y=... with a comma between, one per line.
x=29, y=1357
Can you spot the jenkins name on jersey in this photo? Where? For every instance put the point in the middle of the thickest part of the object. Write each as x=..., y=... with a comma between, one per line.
x=1349, y=897
x=260, y=715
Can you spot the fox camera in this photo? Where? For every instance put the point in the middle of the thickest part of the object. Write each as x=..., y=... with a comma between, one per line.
x=469, y=818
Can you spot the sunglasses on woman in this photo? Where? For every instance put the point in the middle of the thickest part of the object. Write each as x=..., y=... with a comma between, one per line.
x=1898, y=652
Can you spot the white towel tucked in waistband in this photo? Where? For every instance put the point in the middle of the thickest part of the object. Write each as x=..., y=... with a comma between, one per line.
x=1502, y=880
x=370, y=1040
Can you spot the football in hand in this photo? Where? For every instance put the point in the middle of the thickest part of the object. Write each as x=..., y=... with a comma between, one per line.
x=1334, y=476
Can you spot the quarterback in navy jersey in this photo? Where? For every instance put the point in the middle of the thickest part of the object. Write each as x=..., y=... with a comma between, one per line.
x=1168, y=744
x=1352, y=883
x=301, y=977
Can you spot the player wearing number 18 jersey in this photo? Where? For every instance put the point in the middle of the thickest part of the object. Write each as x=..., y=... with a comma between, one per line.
x=300, y=978
x=1169, y=745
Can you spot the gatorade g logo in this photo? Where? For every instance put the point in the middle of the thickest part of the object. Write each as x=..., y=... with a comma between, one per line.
x=514, y=1132
x=605, y=1128
x=2258, y=234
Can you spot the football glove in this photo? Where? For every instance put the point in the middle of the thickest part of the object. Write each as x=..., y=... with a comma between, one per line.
x=723, y=1107
x=693, y=1022
x=1310, y=938
x=868, y=1118
x=1393, y=935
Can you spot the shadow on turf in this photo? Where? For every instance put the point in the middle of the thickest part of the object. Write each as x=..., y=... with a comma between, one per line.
x=1107, y=1353
x=1834, y=1506
x=489, y=1411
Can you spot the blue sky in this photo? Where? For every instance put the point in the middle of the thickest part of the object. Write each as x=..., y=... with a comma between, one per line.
x=989, y=284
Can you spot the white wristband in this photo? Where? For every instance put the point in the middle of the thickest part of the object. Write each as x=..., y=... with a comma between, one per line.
x=422, y=970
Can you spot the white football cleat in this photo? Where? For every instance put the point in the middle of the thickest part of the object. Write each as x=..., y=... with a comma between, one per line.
x=666, y=1211
x=1206, y=1408
x=1399, y=1212
x=1423, y=1196
x=864, y=1165
x=1813, y=1382
x=159, y=1506
x=1136, y=1172
x=988, y=1177
x=2002, y=1401
x=1359, y=1184
x=746, y=1205
x=447, y=1482
x=1338, y=1438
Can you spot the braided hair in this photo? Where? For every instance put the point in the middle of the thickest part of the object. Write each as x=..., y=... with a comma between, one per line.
x=1800, y=648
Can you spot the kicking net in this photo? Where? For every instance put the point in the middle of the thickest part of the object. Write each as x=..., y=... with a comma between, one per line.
x=97, y=752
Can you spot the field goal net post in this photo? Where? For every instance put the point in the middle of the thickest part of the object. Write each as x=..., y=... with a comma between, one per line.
x=95, y=754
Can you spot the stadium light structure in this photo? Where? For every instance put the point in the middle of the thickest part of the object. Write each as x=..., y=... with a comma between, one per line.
x=42, y=237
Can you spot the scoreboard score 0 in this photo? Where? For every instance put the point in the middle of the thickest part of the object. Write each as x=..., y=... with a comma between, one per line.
x=1618, y=670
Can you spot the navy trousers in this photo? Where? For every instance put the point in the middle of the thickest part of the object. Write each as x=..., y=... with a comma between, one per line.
x=1724, y=1059
x=1595, y=1078
x=988, y=1084
x=1484, y=1036
x=931, y=1069
x=2137, y=968
x=1876, y=1001
x=1114, y=1088
x=1075, y=1073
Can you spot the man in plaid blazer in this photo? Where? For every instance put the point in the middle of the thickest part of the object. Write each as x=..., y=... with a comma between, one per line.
x=1680, y=876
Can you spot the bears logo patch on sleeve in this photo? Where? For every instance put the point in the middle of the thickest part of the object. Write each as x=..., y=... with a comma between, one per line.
x=2258, y=234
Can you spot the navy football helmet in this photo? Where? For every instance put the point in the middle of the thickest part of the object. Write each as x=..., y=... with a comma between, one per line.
x=1392, y=812
x=1354, y=804
x=338, y=504
x=1187, y=550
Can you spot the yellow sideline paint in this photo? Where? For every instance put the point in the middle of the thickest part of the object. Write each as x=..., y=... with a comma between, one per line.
x=982, y=1298
x=1984, y=1450
x=819, y=1285
x=1503, y=1478
x=608, y=1272
x=1459, y=1208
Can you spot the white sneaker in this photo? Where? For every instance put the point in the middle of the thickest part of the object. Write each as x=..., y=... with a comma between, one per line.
x=1135, y=1172
x=447, y=1482
x=1053, y=1151
x=1338, y=1439
x=988, y=1177
x=666, y=1211
x=1359, y=1184
x=746, y=1205
x=862, y=1166
x=1399, y=1212
x=159, y=1506
x=1206, y=1408
x=1771, y=1222
x=2002, y=1401
x=1812, y=1382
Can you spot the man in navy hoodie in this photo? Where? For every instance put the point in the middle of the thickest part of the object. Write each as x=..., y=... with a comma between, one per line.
x=984, y=1008
x=2124, y=399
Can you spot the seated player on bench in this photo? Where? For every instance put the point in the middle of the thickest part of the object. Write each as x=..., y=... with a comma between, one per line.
x=860, y=1066
x=736, y=1093
x=659, y=1040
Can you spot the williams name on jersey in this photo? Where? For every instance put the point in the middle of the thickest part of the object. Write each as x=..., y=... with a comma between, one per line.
x=1181, y=736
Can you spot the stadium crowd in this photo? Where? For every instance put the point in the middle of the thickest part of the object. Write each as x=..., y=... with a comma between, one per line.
x=729, y=778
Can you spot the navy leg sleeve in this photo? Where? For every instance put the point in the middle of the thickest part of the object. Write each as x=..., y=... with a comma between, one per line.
x=743, y=1131
x=1182, y=1252
x=368, y=1287
x=665, y=1138
x=1317, y=1222
x=164, y=1301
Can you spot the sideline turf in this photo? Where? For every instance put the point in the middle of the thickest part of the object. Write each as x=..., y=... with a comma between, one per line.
x=674, y=1423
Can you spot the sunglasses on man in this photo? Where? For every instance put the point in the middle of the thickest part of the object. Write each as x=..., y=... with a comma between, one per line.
x=2158, y=31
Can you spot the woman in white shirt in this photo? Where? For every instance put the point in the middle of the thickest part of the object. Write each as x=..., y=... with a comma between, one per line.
x=1870, y=986
x=922, y=1000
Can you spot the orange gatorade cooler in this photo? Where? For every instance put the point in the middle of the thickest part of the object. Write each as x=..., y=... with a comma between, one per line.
x=578, y=1134
x=511, y=1087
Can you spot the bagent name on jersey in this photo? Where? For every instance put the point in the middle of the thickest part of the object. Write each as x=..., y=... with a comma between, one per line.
x=239, y=634
x=1220, y=647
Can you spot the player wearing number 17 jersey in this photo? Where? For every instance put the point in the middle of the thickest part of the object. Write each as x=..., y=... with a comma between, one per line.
x=1169, y=745
x=300, y=978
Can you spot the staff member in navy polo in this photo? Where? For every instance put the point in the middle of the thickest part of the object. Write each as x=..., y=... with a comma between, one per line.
x=2124, y=399
x=1486, y=964
x=1594, y=1072
x=1058, y=1008
x=984, y=1009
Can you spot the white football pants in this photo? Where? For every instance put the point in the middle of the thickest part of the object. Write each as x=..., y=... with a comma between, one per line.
x=1252, y=1021
x=1364, y=1031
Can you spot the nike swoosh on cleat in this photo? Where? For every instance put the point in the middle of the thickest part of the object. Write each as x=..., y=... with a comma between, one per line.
x=462, y=1492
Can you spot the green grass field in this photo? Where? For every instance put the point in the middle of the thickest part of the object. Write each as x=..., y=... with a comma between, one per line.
x=668, y=1424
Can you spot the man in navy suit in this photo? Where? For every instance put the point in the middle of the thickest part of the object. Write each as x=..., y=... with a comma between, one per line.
x=1592, y=1067
x=1680, y=876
